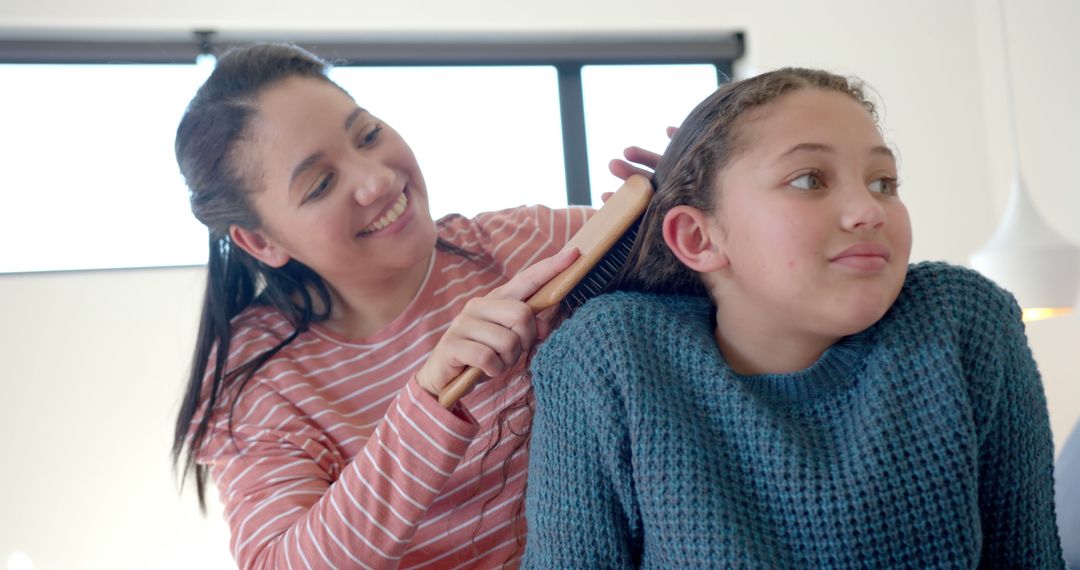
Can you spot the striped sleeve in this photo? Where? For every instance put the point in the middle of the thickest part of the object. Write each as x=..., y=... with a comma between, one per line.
x=520, y=237
x=292, y=503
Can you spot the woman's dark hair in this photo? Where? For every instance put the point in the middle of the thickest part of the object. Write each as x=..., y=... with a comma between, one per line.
x=208, y=142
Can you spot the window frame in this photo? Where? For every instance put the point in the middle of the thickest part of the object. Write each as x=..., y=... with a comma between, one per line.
x=568, y=54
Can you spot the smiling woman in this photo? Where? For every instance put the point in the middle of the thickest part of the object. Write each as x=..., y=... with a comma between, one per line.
x=336, y=310
x=330, y=175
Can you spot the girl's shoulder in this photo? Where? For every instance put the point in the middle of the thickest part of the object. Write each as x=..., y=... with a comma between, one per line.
x=618, y=335
x=971, y=311
x=947, y=276
x=643, y=305
x=633, y=314
x=957, y=292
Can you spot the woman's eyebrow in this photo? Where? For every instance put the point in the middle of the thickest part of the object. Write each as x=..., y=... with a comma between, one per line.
x=315, y=156
x=304, y=165
x=352, y=117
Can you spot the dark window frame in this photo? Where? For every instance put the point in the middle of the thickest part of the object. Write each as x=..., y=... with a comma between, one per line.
x=567, y=54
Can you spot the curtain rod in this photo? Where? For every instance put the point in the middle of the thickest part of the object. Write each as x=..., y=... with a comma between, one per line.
x=440, y=49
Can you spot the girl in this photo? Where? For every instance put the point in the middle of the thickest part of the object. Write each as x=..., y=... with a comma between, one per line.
x=335, y=311
x=777, y=388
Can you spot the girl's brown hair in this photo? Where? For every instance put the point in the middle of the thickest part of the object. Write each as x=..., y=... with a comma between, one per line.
x=710, y=136
x=705, y=143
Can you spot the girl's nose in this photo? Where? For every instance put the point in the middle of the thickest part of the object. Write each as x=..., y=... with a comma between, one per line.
x=861, y=210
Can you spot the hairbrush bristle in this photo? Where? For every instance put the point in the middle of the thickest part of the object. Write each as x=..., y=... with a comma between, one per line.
x=601, y=277
x=604, y=243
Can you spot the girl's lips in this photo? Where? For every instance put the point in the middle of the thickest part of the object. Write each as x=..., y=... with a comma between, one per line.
x=865, y=248
x=862, y=262
x=863, y=256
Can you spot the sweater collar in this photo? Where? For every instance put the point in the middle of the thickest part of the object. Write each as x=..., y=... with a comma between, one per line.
x=837, y=369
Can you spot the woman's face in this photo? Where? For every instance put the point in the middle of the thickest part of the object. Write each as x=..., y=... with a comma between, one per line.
x=816, y=236
x=336, y=189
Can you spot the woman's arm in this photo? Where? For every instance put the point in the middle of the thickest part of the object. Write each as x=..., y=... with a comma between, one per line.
x=293, y=502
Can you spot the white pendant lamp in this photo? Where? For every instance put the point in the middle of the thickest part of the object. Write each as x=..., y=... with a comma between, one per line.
x=1025, y=255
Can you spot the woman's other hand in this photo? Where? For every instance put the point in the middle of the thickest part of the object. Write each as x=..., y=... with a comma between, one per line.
x=637, y=160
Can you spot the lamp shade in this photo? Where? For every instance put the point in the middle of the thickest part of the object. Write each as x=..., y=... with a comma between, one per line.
x=1031, y=260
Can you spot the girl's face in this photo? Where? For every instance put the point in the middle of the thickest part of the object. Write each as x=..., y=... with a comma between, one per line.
x=809, y=218
x=337, y=189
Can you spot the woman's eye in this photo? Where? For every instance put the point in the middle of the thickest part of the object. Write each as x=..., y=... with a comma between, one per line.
x=808, y=181
x=886, y=186
x=320, y=188
x=370, y=137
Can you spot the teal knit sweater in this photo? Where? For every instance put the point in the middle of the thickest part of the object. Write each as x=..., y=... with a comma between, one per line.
x=921, y=442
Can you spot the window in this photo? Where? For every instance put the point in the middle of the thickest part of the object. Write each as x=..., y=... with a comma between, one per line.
x=91, y=181
x=633, y=105
x=479, y=133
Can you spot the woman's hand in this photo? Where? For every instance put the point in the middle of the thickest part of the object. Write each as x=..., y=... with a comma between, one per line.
x=493, y=331
x=637, y=160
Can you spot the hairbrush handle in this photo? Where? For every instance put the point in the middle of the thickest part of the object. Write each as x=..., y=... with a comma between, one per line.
x=593, y=241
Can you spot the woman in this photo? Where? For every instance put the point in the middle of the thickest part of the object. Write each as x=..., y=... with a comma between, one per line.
x=335, y=311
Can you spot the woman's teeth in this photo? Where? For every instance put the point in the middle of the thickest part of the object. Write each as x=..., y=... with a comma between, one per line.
x=390, y=217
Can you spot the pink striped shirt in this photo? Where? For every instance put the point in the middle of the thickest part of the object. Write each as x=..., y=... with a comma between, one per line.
x=340, y=460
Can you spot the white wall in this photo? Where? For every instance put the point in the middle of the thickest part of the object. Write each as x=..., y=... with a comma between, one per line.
x=92, y=363
x=1044, y=53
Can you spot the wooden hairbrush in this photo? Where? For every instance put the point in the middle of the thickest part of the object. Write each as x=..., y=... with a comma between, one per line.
x=604, y=242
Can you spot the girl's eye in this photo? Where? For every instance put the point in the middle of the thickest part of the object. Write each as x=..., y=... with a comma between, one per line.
x=320, y=189
x=370, y=138
x=808, y=181
x=886, y=186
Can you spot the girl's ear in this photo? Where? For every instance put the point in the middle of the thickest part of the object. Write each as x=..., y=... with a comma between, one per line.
x=689, y=233
x=259, y=246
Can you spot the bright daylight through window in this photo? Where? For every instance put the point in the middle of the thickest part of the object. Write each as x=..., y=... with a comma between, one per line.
x=91, y=181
